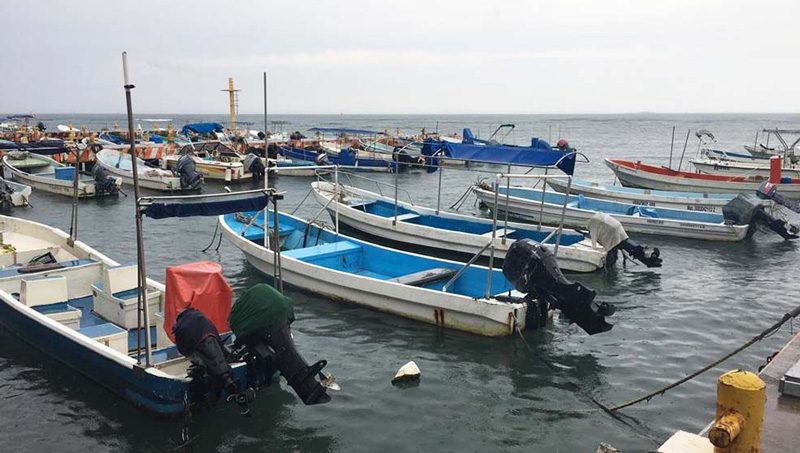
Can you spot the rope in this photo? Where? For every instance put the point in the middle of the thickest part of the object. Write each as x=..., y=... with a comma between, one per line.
x=213, y=237
x=461, y=199
x=766, y=333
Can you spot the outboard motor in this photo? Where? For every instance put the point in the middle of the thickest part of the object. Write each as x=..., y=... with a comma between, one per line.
x=608, y=232
x=103, y=183
x=5, y=195
x=253, y=164
x=533, y=270
x=769, y=191
x=272, y=151
x=198, y=340
x=260, y=320
x=321, y=159
x=403, y=159
x=187, y=170
x=748, y=210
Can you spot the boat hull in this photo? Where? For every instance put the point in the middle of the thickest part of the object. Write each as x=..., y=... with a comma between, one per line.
x=157, y=182
x=530, y=209
x=482, y=317
x=688, y=201
x=48, y=184
x=687, y=182
x=717, y=167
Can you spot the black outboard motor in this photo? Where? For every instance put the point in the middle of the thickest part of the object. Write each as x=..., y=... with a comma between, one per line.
x=187, y=170
x=403, y=159
x=533, y=270
x=253, y=164
x=748, y=210
x=260, y=320
x=5, y=195
x=103, y=183
x=769, y=191
x=608, y=232
x=198, y=340
x=321, y=159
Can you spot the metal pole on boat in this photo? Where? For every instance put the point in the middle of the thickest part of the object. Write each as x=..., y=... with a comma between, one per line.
x=266, y=160
x=563, y=213
x=143, y=309
x=396, y=183
x=686, y=142
x=73, y=226
x=541, y=204
x=336, y=198
x=277, y=275
x=671, y=145
x=494, y=235
x=755, y=142
x=439, y=192
x=508, y=190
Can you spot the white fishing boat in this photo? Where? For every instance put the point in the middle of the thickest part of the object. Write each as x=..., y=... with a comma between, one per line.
x=213, y=160
x=638, y=174
x=118, y=163
x=14, y=194
x=535, y=204
x=45, y=174
x=448, y=233
x=711, y=163
x=435, y=291
x=689, y=201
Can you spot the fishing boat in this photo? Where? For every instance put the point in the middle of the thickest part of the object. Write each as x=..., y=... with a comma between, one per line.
x=689, y=201
x=737, y=168
x=448, y=294
x=446, y=233
x=45, y=174
x=13, y=194
x=637, y=174
x=345, y=158
x=118, y=163
x=213, y=160
x=77, y=305
x=577, y=210
x=787, y=148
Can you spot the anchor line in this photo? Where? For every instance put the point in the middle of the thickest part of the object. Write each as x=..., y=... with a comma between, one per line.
x=213, y=237
x=769, y=331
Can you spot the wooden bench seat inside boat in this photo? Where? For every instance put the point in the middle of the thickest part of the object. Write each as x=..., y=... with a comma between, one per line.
x=326, y=250
x=256, y=233
x=111, y=335
x=425, y=277
x=500, y=232
x=406, y=216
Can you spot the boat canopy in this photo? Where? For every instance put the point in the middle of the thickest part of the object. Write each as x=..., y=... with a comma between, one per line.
x=46, y=147
x=540, y=154
x=339, y=130
x=202, y=128
x=204, y=205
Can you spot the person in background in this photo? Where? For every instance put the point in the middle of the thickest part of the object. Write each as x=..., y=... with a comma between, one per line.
x=563, y=145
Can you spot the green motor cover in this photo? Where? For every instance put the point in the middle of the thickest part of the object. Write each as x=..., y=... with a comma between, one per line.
x=261, y=308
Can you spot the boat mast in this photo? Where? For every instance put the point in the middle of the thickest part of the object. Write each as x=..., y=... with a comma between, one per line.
x=142, y=308
x=266, y=160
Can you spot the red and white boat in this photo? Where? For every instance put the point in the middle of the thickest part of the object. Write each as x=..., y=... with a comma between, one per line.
x=637, y=174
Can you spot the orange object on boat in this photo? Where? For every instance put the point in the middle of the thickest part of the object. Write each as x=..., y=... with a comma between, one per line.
x=201, y=286
x=775, y=164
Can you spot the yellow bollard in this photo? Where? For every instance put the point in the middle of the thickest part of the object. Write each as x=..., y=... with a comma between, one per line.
x=741, y=396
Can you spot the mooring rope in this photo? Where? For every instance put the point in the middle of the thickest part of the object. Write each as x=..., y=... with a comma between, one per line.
x=764, y=334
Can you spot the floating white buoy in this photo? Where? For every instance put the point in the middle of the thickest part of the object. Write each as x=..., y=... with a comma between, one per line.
x=407, y=373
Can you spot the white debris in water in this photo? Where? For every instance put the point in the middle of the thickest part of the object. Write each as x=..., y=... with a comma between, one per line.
x=408, y=372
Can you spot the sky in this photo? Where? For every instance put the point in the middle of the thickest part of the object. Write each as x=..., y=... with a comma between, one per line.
x=409, y=56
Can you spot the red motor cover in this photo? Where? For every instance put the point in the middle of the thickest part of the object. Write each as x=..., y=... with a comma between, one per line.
x=201, y=286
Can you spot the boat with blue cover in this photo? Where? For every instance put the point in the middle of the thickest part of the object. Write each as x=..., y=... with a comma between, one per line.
x=548, y=206
x=346, y=158
x=448, y=294
x=446, y=233
x=689, y=201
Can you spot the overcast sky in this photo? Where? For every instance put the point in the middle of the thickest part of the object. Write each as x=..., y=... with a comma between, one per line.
x=408, y=56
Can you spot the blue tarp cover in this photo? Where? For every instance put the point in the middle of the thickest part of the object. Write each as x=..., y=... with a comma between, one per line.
x=339, y=130
x=46, y=147
x=210, y=206
x=524, y=156
x=202, y=128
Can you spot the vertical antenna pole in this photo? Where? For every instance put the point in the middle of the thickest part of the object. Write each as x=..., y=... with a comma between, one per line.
x=671, y=145
x=144, y=310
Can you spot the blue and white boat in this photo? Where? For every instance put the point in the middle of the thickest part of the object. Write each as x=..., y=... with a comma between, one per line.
x=449, y=234
x=81, y=307
x=346, y=158
x=446, y=293
x=689, y=201
x=536, y=204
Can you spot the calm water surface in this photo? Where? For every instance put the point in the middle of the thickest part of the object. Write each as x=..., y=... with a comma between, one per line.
x=476, y=394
